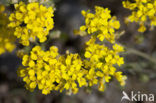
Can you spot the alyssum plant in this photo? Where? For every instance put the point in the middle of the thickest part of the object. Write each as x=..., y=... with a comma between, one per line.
x=48, y=70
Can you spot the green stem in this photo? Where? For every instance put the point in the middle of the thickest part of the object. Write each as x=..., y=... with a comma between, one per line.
x=139, y=53
x=32, y=97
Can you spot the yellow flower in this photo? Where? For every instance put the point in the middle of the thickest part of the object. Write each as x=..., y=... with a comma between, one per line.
x=7, y=39
x=31, y=21
x=50, y=71
x=2, y=8
x=142, y=10
x=100, y=23
x=101, y=62
x=120, y=78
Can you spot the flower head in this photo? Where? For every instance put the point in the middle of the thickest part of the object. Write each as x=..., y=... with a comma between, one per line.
x=101, y=24
x=7, y=39
x=101, y=63
x=31, y=21
x=49, y=71
x=142, y=11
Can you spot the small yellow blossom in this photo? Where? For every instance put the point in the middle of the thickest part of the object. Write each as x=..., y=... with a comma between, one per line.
x=120, y=78
x=7, y=39
x=101, y=63
x=142, y=12
x=2, y=8
x=100, y=23
x=31, y=21
x=50, y=71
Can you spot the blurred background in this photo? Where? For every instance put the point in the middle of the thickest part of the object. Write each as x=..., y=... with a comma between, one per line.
x=140, y=57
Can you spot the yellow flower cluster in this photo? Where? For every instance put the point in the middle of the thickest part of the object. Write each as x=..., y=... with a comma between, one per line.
x=49, y=71
x=101, y=24
x=31, y=21
x=7, y=39
x=101, y=63
x=142, y=12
